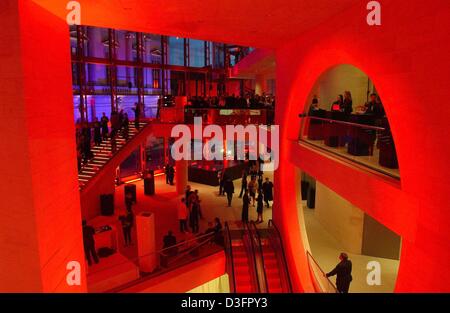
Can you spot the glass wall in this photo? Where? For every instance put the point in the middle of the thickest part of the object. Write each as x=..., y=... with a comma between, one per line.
x=132, y=165
x=196, y=53
x=154, y=153
x=176, y=51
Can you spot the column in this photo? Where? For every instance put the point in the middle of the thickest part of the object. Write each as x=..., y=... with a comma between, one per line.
x=181, y=176
x=41, y=225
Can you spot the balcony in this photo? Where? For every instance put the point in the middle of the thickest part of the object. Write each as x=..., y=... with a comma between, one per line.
x=359, y=139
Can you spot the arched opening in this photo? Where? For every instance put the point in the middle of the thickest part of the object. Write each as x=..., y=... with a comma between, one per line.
x=344, y=116
x=352, y=128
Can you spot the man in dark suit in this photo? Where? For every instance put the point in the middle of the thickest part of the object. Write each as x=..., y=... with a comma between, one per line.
x=170, y=240
x=89, y=243
x=229, y=190
x=343, y=272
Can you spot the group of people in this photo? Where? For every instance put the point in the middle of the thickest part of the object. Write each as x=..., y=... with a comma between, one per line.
x=253, y=191
x=344, y=103
x=189, y=211
x=89, y=134
x=232, y=101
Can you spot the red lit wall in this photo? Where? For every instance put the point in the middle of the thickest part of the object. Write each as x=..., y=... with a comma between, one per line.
x=407, y=59
x=40, y=223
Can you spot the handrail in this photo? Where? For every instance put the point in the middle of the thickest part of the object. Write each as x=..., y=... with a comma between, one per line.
x=231, y=260
x=344, y=122
x=158, y=252
x=310, y=257
x=150, y=276
x=255, y=232
x=271, y=223
x=255, y=267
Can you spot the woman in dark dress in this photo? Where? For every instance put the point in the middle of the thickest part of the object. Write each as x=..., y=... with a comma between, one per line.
x=259, y=207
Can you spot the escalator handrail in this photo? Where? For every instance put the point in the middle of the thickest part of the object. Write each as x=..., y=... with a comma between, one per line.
x=255, y=232
x=252, y=247
x=283, y=255
x=230, y=252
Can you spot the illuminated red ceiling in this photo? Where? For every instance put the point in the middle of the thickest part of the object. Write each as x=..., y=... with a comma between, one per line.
x=260, y=23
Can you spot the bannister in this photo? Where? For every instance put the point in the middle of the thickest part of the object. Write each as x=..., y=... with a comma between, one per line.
x=362, y=139
x=259, y=256
x=253, y=256
x=276, y=236
x=230, y=261
x=171, y=259
x=321, y=282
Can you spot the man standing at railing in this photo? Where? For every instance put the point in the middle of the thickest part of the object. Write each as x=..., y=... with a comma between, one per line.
x=343, y=272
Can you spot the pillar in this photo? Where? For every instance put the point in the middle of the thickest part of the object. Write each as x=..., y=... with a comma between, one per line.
x=40, y=228
x=181, y=176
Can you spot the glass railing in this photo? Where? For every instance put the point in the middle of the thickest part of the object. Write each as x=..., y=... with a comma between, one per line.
x=277, y=244
x=362, y=139
x=321, y=282
x=163, y=260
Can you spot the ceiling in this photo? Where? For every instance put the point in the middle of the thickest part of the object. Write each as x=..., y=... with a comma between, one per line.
x=257, y=23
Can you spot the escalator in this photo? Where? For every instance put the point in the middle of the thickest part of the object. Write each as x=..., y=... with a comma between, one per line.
x=256, y=260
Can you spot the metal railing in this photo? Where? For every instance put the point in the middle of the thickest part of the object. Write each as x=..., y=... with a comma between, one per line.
x=247, y=236
x=362, y=139
x=168, y=259
x=277, y=243
x=230, y=260
x=321, y=282
x=259, y=257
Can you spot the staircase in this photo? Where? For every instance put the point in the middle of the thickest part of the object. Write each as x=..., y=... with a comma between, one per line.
x=103, y=153
x=242, y=268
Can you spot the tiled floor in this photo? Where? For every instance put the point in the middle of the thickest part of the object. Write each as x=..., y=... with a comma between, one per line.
x=326, y=249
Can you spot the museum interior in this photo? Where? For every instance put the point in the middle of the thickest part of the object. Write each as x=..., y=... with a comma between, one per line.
x=352, y=116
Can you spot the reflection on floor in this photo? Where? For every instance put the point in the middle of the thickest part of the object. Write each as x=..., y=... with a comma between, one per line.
x=164, y=205
x=369, y=160
x=326, y=249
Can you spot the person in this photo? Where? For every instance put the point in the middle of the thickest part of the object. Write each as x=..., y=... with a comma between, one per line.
x=194, y=212
x=127, y=225
x=187, y=194
x=166, y=171
x=267, y=189
x=252, y=188
x=137, y=114
x=259, y=208
x=120, y=119
x=169, y=241
x=222, y=177
x=314, y=105
x=243, y=183
x=337, y=105
x=182, y=215
x=89, y=243
x=97, y=133
x=229, y=190
x=171, y=174
x=347, y=105
x=374, y=106
x=104, y=124
x=260, y=181
x=245, y=204
x=343, y=272
x=125, y=126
